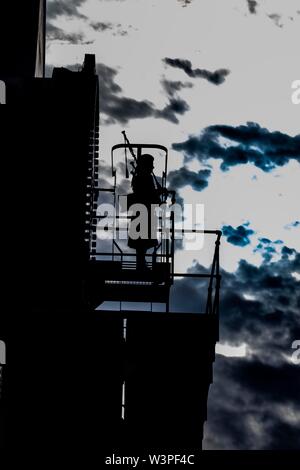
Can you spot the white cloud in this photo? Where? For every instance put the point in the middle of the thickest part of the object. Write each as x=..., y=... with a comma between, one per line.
x=296, y=276
x=231, y=351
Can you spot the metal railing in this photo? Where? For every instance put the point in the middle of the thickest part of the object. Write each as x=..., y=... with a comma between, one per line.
x=213, y=276
x=167, y=255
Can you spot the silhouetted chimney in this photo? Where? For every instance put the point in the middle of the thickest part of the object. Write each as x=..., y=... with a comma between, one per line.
x=89, y=64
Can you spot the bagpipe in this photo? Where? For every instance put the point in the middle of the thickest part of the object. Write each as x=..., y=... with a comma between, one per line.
x=164, y=192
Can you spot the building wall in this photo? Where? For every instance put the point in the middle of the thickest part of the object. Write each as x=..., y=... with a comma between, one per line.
x=45, y=147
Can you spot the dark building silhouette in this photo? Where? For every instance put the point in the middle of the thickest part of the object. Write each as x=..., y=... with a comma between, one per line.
x=67, y=362
x=22, y=38
x=3, y=403
x=49, y=133
x=56, y=120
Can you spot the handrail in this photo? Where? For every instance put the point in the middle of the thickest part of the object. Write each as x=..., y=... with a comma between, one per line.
x=145, y=146
x=195, y=275
x=118, y=248
x=212, y=302
x=103, y=253
x=110, y=190
x=176, y=230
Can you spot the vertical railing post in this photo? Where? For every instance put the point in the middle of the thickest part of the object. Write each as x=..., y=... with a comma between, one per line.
x=172, y=244
x=209, y=306
x=218, y=276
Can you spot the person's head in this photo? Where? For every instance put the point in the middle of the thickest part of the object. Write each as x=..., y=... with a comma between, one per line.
x=145, y=163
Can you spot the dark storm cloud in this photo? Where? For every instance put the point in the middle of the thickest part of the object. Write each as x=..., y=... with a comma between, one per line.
x=175, y=106
x=57, y=8
x=261, y=322
x=294, y=224
x=254, y=400
x=117, y=29
x=283, y=435
x=287, y=252
x=237, y=236
x=268, y=381
x=173, y=87
x=122, y=32
x=184, y=177
x=252, y=4
x=251, y=403
x=251, y=307
x=185, y=3
x=100, y=26
x=216, y=77
x=276, y=19
x=118, y=108
x=57, y=34
x=268, y=248
x=250, y=144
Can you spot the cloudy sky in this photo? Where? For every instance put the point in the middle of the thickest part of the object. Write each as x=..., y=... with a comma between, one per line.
x=211, y=80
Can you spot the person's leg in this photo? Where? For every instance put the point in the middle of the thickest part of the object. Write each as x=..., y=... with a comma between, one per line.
x=141, y=258
x=154, y=258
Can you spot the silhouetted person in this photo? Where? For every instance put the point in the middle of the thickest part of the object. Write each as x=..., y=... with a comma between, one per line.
x=146, y=191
